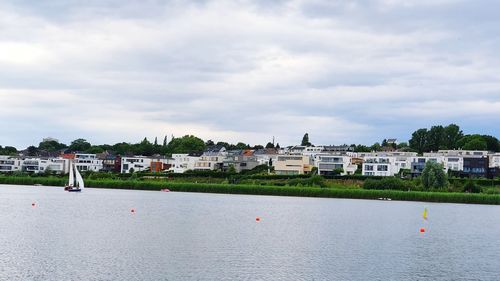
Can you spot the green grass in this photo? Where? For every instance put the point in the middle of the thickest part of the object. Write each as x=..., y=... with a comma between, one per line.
x=336, y=192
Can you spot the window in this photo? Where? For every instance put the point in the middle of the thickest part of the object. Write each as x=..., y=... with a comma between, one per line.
x=382, y=168
x=368, y=167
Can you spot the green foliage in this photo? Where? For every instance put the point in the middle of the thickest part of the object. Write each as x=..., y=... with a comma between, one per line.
x=434, y=177
x=389, y=183
x=51, y=146
x=79, y=145
x=305, y=140
x=419, y=141
x=471, y=187
x=269, y=145
x=186, y=144
x=8, y=150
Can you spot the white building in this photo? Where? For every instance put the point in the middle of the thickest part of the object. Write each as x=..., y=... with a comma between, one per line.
x=212, y=159
x=450, y=161
x=385, y=164
x=10, y=164
x=135, y=164
x=88, y=162
x=327, y=164
x=59, y=165
x=182, y=163
x=34, y=165
x=495, y=160
x=292, y=165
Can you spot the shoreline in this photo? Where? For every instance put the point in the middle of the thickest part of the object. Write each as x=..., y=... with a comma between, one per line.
x=395, y=195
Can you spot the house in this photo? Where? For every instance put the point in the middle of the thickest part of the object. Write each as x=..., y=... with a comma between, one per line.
x=384, y=163
x=183, y=162
x=329, y=164
x=338, y=149
x=266, y=156
x=240, y=160
x=476, y=166
x=211, y=159
x=10, y=164
x=59, y=165
x=494, y=160
x=418, y=163
x=292, y=165
x=87, y=162
x=34, y=165
x=160, y=164
x=135, y=164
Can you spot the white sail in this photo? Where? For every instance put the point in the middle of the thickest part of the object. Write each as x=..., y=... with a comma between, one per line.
x=79, y=179
x=71, y=181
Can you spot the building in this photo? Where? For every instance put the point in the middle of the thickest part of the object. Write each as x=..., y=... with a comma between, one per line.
x=10, y=164
x=160, y=164
x=381, y=166
x=211, y=159
x=494, y=160
x=329, y=164
x=34, y=165
x=183, y=162
x=135, y=164
x=292, y=165
x=240, y=160
x=87, y=162
x=266, y=156
x=476, y=166
x=338, y=149
x=418, y=163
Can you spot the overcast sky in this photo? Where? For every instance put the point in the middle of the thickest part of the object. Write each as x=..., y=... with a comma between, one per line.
x=343, y=71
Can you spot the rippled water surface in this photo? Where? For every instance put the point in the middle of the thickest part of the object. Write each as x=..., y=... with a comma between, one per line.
x=188, y=236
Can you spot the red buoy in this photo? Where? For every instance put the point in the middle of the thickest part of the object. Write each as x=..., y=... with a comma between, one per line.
x=132, y=210
x=257, y=219
x=422, y=230
x=33, y=204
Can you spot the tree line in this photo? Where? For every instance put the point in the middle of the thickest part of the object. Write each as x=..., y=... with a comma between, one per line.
x=422, y=140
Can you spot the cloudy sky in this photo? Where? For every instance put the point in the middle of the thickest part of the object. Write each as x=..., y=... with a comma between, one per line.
x=344, y=71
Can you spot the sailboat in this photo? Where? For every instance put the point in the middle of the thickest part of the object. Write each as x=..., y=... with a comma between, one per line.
x=75, y=181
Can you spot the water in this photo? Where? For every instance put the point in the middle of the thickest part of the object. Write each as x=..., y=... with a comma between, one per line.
x=188, y=236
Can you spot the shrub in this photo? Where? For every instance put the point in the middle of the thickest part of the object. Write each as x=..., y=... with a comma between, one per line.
x=434, y=177
x=471, y=187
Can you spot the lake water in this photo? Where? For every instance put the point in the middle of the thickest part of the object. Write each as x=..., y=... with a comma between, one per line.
x=189, y=236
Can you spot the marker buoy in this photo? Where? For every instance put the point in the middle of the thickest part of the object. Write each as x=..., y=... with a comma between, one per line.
x=257, y=219
x=132, y=210
x=422, y=230
x=33, y=204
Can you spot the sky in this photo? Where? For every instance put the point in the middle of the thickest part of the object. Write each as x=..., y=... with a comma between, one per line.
x=343, y=71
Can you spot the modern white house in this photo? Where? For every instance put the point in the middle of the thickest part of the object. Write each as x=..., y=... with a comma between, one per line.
x=183, y=162
x=34, y=165
x=494, y=160
x=88, y=162
x=292, y=165
x=212, y=159
x=327, y=164
x=10, y=164
x=135, y=164
x=59, y=165
x=418, y=163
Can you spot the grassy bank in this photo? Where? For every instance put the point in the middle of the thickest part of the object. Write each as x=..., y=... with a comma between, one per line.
x=338, y=192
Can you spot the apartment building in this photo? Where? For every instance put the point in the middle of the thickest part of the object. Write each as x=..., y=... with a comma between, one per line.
x=329, y=164
x=87, y=162
x=135, y=164
x=211, y=159
x=292, y=165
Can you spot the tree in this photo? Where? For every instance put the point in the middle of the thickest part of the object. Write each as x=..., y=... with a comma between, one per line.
x=435, y=138
x=362, y=148
x=305, y=140
x=156, y=141
x=51, y=146
x=165, y=141
x=473, y=142
x=452, y=134
x=32, y=150
x=492, y=143
x=269, y=145
x=209, y=143
x=433, y=176
x=384, y=143
x=402, y=146
x=376, y=147
x=418, y=141
x=278, y=145
x=79, y=145
x=8, y=150
x=186, y=144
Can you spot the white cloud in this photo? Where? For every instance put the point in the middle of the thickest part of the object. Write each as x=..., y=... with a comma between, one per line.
x=344, y=71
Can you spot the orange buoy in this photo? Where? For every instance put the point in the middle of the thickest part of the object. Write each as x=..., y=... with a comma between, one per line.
x=422, y=230
x=257, y=219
